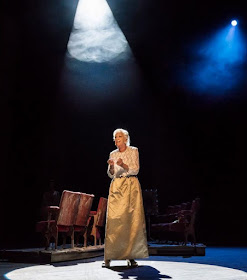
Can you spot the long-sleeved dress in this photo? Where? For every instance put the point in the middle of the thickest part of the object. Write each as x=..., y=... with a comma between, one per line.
x=125, y=225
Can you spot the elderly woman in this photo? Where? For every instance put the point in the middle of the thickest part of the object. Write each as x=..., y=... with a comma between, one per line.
x=125, y=226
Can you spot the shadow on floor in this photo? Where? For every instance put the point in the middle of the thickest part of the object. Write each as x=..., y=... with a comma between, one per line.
x=141, y=272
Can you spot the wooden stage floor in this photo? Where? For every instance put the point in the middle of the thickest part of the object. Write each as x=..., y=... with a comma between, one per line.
x=41, y=256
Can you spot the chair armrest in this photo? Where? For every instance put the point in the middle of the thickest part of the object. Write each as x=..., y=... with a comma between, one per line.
x=163, y=218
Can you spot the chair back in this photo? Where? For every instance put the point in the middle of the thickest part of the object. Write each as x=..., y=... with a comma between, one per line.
x=68, y=208
x=194, y=208
x=84, y=208
x=101, y=211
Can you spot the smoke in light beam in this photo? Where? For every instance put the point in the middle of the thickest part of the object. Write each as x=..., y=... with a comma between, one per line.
x=217, y=64
x=96, y=37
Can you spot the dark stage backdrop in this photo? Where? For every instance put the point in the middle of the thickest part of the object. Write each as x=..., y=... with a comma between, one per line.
x=190, y=145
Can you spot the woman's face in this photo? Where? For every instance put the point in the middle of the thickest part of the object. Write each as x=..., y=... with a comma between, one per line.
x=120, y=139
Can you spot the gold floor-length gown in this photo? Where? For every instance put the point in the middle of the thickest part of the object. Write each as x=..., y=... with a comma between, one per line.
x=125, y=226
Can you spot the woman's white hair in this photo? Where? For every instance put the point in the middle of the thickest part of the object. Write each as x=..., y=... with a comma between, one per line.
x=124, y=132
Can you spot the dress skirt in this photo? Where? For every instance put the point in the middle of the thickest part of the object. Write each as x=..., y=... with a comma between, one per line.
x=125, y=225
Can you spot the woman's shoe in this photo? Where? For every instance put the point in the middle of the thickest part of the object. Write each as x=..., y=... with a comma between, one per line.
x=106, y=264
x=132, y=263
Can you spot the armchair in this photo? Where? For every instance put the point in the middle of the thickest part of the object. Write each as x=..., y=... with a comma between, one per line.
x=65, y=217
x=81, y=221
x=97, y=221
x=183, y=222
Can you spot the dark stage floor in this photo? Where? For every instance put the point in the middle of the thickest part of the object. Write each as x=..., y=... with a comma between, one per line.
x=218, y=263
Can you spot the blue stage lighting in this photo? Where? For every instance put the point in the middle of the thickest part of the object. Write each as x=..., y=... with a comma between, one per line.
x=217, y=63
x=234, y=22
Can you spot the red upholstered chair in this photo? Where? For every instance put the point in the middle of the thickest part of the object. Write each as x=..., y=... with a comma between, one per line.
x=97, y=221
x=184, y=222
x=65, y=219
x=82, y=217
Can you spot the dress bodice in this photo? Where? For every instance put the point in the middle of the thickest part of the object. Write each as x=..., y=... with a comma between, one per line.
x=130, y=157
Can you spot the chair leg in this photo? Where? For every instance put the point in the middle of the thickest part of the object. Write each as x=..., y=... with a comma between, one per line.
x=72, y=239
x=85, y=239
x=48, y=235
x=64, y=240
x=99, y=237
x=94, y=234
x=77, y=239
x=193, y=236
x=186, y=238
x=47, y=242
x=56, y=240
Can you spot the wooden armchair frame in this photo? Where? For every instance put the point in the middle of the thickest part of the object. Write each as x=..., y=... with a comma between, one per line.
x=182, y=222
x=67, y=218
x=83, y=217
x=97, y=221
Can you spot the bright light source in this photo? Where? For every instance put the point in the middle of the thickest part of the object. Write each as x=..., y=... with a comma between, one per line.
x=234, y=22
x=96, y=36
